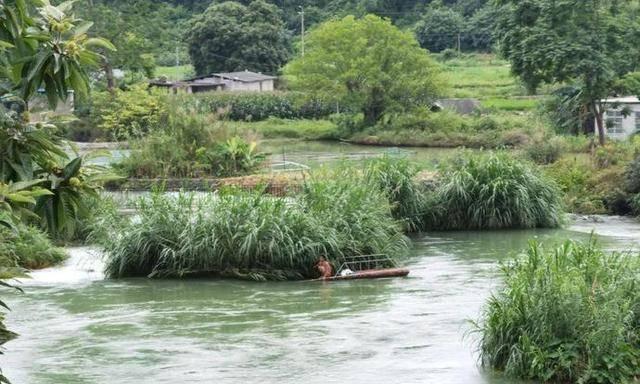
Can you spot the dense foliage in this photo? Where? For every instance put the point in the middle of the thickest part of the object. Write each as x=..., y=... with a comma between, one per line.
x=259, y=106
x=445, y=129
x=565, y=315
x=440, y=28
x=121, y=115
x=253, y=236
x=24, y=247
x=491, y=192
x=396, y=178
x=190, y=144
x=354, y=62
x=555, y=41
x=231, y=37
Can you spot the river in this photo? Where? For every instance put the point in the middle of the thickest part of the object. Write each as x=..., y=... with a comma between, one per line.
x=75, y=327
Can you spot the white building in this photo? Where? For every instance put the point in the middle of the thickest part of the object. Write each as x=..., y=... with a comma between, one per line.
x=622, y=117
x=232, y=81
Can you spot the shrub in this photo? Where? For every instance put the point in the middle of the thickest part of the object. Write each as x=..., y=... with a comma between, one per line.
x=256, y=106
x=26, y=247
x=635, y=204
x=250, y=235
x=494, y=191
x=190, y=145
x=128, y=114
x=449, y=54
x=609, y=155
x=546, y=151
x=569, y=315
x=632, y=176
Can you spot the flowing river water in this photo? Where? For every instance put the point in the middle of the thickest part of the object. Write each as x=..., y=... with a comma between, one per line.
x=76, y=327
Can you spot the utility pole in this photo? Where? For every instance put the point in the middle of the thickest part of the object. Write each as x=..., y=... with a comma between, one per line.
x=177, y=58
x=302, y=27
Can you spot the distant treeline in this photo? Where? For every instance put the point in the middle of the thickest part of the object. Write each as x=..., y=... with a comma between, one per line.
x=157, y=27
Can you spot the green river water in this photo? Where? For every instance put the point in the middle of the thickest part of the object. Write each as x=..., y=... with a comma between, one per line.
x=76, y=327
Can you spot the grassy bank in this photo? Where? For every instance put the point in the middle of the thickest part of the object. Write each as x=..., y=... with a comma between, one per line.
x=24, y=248
x=565, y=315
x=291, y=129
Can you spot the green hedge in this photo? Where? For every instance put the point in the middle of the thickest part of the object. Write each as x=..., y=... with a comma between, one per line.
x=260, y=106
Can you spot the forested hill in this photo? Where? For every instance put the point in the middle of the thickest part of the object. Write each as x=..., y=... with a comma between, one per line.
x=157, y=27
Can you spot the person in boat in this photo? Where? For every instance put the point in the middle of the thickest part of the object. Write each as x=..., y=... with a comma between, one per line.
x=324, y=268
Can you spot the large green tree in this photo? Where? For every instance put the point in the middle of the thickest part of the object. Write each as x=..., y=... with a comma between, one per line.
x=231, y=36
x=591, y=43
x=440, y=28
x=367, y=64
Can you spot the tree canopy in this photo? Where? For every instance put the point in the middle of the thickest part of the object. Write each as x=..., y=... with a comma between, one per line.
x=592, y=43
x=440, y=28
x=47, y=48
x=367, y=64
x=231, y=36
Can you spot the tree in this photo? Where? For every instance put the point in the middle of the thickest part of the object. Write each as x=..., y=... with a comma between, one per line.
x=440, y=28
x=44, y=46
x=366, y=64
x=592, y=43
x=230, y=36
x=49, y=49
x=479, y=29
x=125, y=28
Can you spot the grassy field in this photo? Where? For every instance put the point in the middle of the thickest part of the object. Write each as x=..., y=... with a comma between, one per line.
x=489, y=79
x=175, y=73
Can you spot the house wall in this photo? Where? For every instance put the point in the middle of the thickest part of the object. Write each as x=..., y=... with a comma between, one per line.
x=618, y=126
x=258, y=86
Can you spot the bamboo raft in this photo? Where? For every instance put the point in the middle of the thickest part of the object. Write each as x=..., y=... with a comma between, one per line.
x=367, y=267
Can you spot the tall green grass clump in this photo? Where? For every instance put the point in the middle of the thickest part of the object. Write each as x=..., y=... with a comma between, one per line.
x=568, y=315
x=251, y=235
x=357, y=211
x=493, y=191
x=396, y=179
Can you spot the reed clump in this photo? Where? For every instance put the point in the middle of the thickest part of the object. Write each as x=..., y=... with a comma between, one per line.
x=565, y=315
x=492, y=191
x=396, y=178
x=252, y=235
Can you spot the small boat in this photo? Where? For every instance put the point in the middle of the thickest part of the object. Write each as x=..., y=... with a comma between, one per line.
x=367, y=267
x=371, y=274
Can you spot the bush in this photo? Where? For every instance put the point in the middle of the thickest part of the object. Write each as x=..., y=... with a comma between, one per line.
x=190, y=145
x=127, y=114
x=252, y=236
x=575, y=179
x=546, y=151
x=570, y=315
x=632, y=176
x=26, y=247
x=449, y=54
x=256, y=106
x=491, y=192
x=609, y=155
